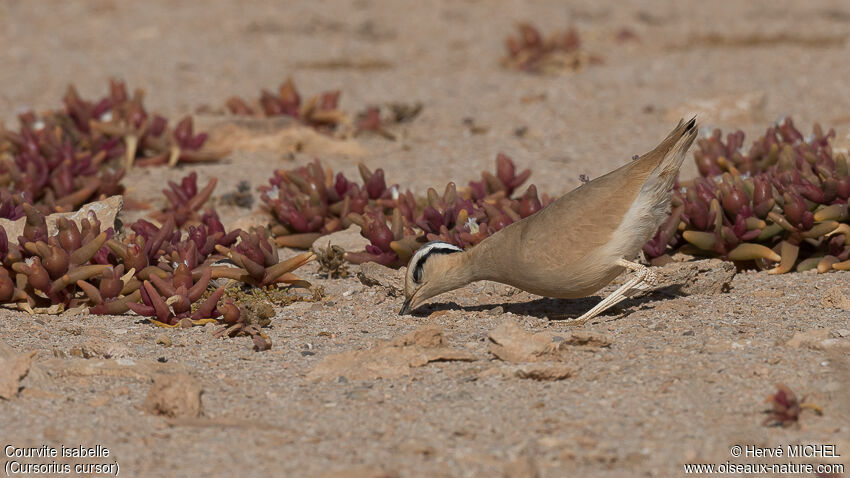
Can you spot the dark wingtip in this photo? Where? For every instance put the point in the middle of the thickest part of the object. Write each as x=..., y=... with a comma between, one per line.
x=691, y=124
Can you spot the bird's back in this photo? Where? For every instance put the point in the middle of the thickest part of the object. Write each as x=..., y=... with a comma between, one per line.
x=568, y=249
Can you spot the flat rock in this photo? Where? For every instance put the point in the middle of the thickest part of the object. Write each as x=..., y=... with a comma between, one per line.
x=177, y=395
x=818, y=339
x=106, y=210
x=375, y=275
x=13, y=369
x=143, y=370
x=36, y=377
x=350, y=240
x=509, y=342
x=523, y=467
x=390, y=359
x=707, y=276
x=360, y=471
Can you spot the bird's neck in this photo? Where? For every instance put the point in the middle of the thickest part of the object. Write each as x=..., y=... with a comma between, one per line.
x=460, y=268
x=465, y=267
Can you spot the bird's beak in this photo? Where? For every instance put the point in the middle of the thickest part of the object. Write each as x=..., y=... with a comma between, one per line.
x=405, y=308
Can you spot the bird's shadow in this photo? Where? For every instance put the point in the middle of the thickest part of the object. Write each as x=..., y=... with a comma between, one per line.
x=561, y=309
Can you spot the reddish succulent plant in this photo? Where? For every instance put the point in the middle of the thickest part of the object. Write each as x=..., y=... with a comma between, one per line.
x=59, y=160
x=114, y=292
x=530, y=51
x=48, y=268
x=170, y=300
x=159, y=271
x=257, y=262
x=786, y=408
x=320, y=111
x=147, y=139
x=307, y=205
x=186, y=199
x=785, y=200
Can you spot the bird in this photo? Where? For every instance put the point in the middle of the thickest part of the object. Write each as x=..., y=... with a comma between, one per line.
x=573, y=247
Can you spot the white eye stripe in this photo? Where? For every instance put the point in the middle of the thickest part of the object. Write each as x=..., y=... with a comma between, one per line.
x=435, y=245
x=421, y=256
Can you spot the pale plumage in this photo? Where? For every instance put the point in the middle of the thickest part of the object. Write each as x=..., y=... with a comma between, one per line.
x=573, y=247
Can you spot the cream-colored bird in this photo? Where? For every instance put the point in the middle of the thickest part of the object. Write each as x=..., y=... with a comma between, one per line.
x=573, y=247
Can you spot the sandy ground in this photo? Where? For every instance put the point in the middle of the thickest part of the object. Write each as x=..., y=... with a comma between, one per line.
x=684, y=377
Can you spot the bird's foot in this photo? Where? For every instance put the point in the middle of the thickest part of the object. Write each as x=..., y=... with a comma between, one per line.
x=643, y=279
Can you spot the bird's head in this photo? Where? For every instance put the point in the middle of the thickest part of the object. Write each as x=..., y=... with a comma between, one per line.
x=432, y=270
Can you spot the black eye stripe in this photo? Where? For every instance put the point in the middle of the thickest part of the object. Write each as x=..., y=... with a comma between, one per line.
x=420, y=263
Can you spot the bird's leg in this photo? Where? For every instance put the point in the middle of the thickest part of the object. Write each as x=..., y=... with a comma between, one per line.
x=643, y=279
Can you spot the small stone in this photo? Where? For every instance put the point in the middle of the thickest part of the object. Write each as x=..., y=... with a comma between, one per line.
x=835, y=298
x=708, y=276
x=349, y=240
x=688, y=333
x=588, y=339
x=498, y=310
x=523, y=467
x=101, y=348
x=177, y=395
x=119, y=391
x=818, y=339
x=99, y=401
x=163, y=340
x=542, y=371
x=375, y=275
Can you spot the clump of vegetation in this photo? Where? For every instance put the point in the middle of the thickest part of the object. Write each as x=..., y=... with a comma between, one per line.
x=246, y=310
x=59, y=160
x=781, y=205
x=162, y=271
x=531, y=52
x=332, y=262
x=320, y=111
x=786, y=408
x=310, y=201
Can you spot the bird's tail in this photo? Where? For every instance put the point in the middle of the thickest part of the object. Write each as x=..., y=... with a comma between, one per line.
x=666, y=159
